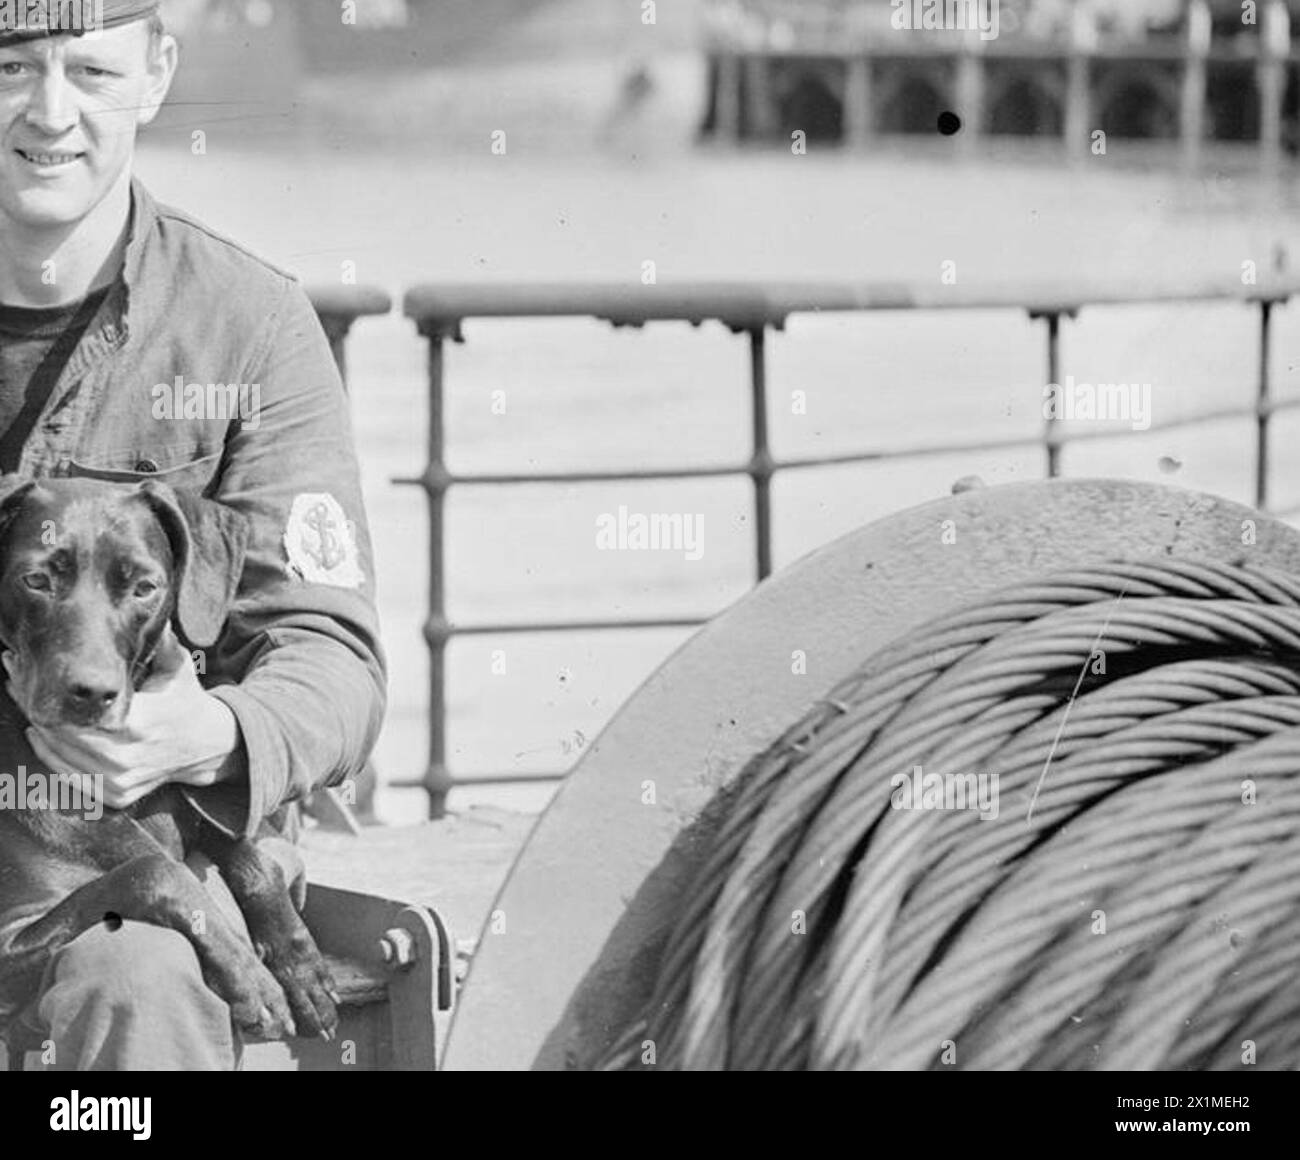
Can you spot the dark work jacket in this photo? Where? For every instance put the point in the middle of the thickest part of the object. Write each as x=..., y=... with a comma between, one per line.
x=299, y=660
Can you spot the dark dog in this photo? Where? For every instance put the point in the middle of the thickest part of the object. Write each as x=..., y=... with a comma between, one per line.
x=94, y=580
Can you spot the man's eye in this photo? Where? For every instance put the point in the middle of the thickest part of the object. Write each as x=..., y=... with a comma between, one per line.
x=12, y=68
x=37, y=581
x=96, y=73
x=144, y=589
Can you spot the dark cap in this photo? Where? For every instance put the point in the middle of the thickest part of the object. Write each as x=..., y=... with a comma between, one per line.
x=32, y=19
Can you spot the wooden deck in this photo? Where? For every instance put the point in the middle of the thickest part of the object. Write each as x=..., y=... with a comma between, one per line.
x=455, y=865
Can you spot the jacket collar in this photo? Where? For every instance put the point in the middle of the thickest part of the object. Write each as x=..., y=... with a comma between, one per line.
x=144, y=213
x=140, y=225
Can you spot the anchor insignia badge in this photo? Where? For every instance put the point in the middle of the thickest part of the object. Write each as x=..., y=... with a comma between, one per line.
x=320, y=542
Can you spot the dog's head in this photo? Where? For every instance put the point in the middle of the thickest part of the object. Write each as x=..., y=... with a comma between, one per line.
x=91, y=574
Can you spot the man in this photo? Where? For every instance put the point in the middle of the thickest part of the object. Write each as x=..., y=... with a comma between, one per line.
x=111, y=307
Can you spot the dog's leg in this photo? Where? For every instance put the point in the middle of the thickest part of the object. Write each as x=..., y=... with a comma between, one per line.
x=153, y=888
x=279, y=933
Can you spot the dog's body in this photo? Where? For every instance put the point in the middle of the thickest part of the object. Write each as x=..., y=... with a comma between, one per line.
x=94, y=579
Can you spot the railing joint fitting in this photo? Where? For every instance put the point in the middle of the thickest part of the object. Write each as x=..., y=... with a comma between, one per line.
x=441, y=328
x=437, y=630
x=436, y=479
x=761, y=466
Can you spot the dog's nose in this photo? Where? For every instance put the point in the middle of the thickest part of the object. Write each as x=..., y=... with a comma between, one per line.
x=89, y=693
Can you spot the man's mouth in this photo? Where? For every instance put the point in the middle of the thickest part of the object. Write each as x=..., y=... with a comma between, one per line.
x=48, y=159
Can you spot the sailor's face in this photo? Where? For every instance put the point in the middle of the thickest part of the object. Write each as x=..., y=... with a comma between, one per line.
x=70, y=107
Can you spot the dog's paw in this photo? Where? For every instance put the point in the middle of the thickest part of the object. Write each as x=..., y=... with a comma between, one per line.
x=258, y=1003
x=301, y=971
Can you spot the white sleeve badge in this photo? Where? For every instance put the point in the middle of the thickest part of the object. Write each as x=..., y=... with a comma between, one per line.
x=320, y=542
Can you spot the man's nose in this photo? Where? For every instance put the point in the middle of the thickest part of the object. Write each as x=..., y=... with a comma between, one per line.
x=51, y=108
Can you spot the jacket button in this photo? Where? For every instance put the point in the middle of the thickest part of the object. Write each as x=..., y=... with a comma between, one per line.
x=146, y=466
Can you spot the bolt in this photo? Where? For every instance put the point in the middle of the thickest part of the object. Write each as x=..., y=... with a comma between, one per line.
x=465, y=948
x=397, y=947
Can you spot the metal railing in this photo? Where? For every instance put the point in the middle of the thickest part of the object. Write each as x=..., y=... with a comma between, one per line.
x=439, y=309
x=338, y=307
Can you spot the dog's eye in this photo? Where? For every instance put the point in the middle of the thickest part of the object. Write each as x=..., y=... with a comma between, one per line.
x=144, y=589
x=37, y=581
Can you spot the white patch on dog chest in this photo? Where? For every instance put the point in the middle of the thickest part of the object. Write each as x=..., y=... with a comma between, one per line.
x=320, y=543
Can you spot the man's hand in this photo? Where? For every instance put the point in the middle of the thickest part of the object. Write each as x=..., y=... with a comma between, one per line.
x=175, y=731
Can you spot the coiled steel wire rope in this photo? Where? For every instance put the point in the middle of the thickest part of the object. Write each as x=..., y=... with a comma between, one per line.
x=1135, y=903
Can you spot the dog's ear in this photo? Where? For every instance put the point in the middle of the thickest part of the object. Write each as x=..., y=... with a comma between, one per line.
x=208, y=541
x=14, y=490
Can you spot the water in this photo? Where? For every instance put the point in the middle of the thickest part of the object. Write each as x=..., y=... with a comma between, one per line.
x=579, y=395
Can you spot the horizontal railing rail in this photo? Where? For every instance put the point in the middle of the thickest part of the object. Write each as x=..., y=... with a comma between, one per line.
x=440, y=308
x=439, y=311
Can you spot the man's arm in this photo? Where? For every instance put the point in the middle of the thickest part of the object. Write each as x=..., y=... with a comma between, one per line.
x=302, y=640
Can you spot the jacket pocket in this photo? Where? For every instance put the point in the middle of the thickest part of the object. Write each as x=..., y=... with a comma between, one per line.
x=195, y=475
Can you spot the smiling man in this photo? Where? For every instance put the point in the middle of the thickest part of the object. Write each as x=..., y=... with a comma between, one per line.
x=104, y=295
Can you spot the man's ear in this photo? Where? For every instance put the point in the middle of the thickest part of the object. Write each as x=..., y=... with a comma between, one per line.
x=163, y=59
x=14, y=490
x=208, y=541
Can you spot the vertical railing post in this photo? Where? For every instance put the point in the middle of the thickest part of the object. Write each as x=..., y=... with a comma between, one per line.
x=761, y=463
x=1270, y=81
x=1051, y=421
x=759, y=116
x=859, y=116
x=1262, y=407
x=970, y=86
x=730, y=72
x=437, y=629
x=1191, y=105
x=337, y=311
x=1078, y=98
